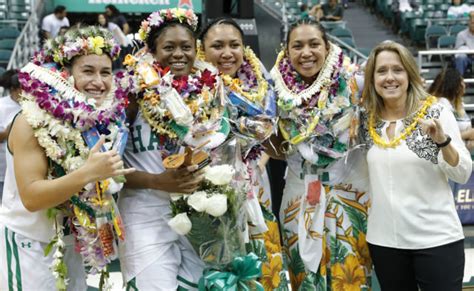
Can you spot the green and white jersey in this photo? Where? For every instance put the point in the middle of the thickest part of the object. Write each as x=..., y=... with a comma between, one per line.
x=145, y=212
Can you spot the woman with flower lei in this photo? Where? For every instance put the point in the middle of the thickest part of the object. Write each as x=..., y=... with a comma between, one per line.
x=59, y=170
x=323, y=211
x=253, y=109
x=414, y=234
x=175, y=101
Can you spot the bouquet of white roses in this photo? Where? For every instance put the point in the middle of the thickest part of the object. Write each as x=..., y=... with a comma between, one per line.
x=214, y=221
x=211, y=218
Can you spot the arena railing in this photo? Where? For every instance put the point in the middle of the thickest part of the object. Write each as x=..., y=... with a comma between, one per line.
x=447, y=21
x=440, y=52
x=357, y=57
x=468, y=106
x=28, y=42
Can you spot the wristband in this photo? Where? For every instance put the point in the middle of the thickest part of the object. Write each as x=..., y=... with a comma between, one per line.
x=445, y=143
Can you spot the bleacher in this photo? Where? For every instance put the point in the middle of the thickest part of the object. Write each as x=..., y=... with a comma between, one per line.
x=13, y=16
x=289, y=11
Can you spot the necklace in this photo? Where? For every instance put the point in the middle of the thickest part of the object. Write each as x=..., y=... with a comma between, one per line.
x=235, y=84
x=309, y=106
x=292, y=95
x=406, y=132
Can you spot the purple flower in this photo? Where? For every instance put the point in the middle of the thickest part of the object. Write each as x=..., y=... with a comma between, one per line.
x=58, y=112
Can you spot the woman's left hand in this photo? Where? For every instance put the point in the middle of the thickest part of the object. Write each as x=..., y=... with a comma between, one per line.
x=434, y=129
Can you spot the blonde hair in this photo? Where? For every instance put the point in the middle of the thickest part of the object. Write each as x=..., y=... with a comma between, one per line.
x=416, y=92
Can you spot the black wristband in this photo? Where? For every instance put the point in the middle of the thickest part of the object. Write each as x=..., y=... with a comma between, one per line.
x=445, y=143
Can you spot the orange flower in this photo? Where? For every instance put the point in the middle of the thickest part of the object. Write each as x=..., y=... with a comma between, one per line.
x=349, y=276
x=271, y=273
x=272, y=238
x=361, y=249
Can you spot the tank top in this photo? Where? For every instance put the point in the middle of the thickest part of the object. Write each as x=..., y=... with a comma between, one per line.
x=34, y=225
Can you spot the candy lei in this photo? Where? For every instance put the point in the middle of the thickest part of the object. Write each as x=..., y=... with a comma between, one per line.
x=58, y=114
x=199, y=91
x=304, y=107
x=421, y=114
x=249, y=76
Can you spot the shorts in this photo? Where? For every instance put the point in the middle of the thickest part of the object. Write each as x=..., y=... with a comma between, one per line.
x=178, y=268
x=23, y=265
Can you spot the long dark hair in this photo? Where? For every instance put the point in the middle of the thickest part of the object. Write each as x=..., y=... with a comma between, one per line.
x=9, y=80
x=113, y=9
x=448, y=84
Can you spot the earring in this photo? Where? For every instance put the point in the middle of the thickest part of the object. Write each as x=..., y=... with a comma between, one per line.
x=200, y=51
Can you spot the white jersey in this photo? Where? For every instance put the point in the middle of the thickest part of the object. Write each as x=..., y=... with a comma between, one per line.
x=8, y=110
x=33, y=225
x=145, y=212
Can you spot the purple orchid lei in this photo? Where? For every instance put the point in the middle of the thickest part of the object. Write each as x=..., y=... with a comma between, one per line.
x=247, y=76
x=80, y=114
x=295, y=83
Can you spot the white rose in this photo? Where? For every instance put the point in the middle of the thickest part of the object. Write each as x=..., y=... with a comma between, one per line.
x=177, y=196
x=180, y=224
x=217, y=205
x=220, y=175
x=198, y=201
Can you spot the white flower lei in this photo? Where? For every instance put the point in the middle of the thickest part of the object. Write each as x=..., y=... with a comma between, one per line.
x=323, y=78
x=56, y=136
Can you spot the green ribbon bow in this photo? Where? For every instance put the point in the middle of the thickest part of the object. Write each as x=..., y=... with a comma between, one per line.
x=243, y=275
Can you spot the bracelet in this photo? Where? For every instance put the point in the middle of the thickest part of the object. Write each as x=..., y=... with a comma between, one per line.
x=445, y=143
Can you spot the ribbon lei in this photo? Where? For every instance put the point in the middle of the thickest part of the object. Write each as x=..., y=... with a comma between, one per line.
x=243, y=274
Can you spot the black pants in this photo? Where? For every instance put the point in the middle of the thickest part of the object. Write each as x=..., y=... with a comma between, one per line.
x=434, y=269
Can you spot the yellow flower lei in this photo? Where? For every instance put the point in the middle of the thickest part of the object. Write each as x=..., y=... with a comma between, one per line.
x=234, y=83
x=262, y=83
x=156, y=124
x=406, y=132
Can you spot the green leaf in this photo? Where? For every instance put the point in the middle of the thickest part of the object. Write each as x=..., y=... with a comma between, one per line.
x=296, y=263
x=338, y=251
x=62, y=269
x=309, y=283
x=358, y=220
x=60, y=285
x=50, y=246
x=257, y=246
x=52, y=213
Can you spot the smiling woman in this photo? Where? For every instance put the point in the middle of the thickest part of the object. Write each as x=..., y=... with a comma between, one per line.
x=175, y=47
x=414, y=233
x=252, y=106
x=324, y=207
x=93, y=76
x=177, y=101
x=53, y=173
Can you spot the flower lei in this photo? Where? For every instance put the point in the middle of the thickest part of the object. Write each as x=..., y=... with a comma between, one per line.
x=248, y=77
x=199, y=91
x=292, y=90
x=58, y=115
x=303, y=107
x=91, y=40
x=157, y=18
x=406, y=132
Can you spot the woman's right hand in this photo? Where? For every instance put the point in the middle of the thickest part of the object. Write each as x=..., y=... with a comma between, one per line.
x=102, y=165
x=183, y=180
